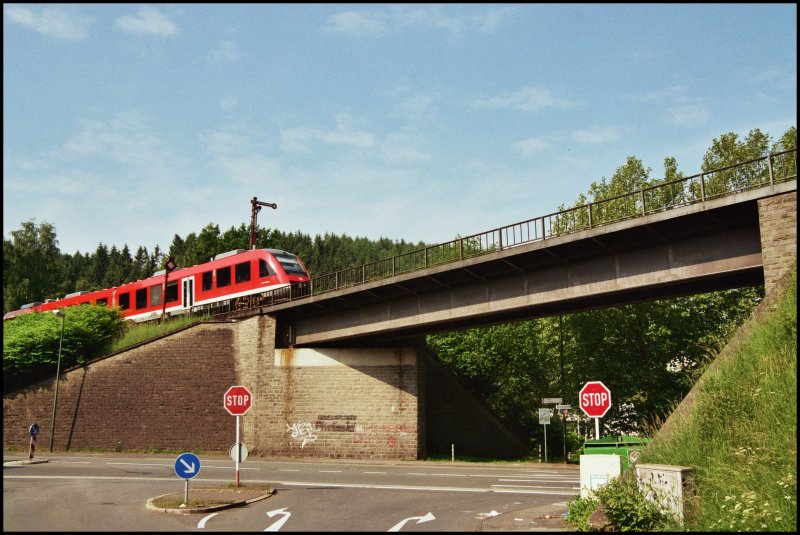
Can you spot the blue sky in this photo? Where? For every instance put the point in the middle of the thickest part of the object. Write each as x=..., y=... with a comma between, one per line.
x=129, y=123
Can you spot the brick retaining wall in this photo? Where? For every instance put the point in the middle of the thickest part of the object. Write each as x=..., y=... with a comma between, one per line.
x=365, y=403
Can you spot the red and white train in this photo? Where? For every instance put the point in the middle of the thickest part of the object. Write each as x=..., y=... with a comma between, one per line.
x=228, y=276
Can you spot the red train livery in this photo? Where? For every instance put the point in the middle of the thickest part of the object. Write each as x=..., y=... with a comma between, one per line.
x=238, y=273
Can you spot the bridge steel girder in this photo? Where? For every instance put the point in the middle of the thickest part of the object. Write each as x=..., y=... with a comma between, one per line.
x=683, y=251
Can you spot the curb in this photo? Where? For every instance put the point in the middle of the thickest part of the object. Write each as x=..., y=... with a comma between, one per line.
x=210, y=508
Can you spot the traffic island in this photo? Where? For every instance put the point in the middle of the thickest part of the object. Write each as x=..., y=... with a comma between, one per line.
x=208, y=499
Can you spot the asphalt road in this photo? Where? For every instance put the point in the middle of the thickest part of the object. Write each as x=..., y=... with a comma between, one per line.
x=109, y=492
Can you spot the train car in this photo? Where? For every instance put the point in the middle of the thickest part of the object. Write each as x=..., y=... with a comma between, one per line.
x=228, y=278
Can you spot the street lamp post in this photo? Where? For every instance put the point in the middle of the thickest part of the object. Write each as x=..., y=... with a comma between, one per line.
x=59, y=313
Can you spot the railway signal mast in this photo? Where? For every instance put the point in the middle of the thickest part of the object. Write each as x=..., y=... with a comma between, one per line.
x=256, y=207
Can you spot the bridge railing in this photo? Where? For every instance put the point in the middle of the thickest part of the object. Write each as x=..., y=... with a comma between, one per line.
x=751, y=174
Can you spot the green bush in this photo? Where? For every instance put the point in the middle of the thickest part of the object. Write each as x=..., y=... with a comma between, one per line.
x=31, y=341
x=625, y=505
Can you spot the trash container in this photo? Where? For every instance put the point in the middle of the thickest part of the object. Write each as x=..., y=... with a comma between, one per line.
x=626, y=446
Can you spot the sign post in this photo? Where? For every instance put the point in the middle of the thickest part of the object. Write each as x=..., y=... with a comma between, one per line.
x=237, y=401
x=33, y=430
x=544, y=419
x=187, y=466
x=595, y=400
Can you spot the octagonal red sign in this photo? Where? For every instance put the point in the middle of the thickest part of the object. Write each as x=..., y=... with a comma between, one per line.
x=237, y=400
x=595, y=399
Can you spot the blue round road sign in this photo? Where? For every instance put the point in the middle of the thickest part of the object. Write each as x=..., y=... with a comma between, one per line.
x=187, y=465
x=33, y=430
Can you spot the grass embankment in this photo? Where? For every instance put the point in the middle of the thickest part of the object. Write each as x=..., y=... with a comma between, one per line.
x=739, y=431
x=138, y=333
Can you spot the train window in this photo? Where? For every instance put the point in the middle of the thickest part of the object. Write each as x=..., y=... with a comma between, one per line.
x=172, y=292
x=208, y=277
x=124, y=301
x=290, y=264
x=263, y=268
x=103, y=301
x=141, y=298
x=155, y=295
x=223, y=277
x=242, y=272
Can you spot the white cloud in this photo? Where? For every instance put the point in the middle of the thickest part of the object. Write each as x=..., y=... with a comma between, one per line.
x=53, y=22
x=416, y=107
x=298, y=139
x=125, y=139
x=402, y=149
x=782, y=76
x=228, y=103
x=147, y=21
x=225, y=52
x=688, y=114
x=596, y=134
x=681, y=108
x=526, y=99
x=488, y=22
x=359, y=23
x=532, y=145
x=375, y=23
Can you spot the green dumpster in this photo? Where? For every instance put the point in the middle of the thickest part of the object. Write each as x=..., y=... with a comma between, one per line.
x=626, y=446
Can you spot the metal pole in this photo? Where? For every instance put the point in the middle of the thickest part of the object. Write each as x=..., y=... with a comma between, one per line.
x=545, y=442
x=60, y=313
x=597, y=428
x=237, y=456
x=561, y=355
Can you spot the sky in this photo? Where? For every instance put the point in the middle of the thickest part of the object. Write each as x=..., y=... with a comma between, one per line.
x=125, y=124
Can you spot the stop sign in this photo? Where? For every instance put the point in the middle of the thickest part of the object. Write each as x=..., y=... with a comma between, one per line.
x=595, y=399
x=237, y=400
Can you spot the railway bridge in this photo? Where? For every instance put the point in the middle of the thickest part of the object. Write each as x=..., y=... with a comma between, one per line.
x=723, y=229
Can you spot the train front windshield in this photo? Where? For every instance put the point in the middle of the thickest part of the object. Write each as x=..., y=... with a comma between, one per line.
x=291, y=265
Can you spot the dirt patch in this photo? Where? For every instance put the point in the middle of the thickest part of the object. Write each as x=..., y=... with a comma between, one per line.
x=210, y=497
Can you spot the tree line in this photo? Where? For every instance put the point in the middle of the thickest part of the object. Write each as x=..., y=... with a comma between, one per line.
x=648, y=354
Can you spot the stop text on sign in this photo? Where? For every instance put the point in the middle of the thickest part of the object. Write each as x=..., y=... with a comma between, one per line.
x=237, y=401
x=596, y=399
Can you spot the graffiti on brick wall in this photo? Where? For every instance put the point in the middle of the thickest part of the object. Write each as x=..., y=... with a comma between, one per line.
x=337, y=422
x=391, y=434
x=303, y=431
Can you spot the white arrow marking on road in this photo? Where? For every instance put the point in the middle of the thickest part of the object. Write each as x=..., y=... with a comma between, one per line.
x=189, y=467
x=277, y=525
x=202, y=523
x=419, y=519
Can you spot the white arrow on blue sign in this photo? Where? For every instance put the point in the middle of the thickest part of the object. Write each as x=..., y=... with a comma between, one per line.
x=187, y=465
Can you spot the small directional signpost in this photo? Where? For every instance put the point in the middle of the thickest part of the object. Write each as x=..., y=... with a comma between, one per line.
x=595, y=400
x=187, y=466
x=544, y=419
x=237, y=401
x=33, y=430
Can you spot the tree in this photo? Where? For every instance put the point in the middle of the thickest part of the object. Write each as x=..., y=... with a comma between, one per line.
x=32, y=265
x=726, y=151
